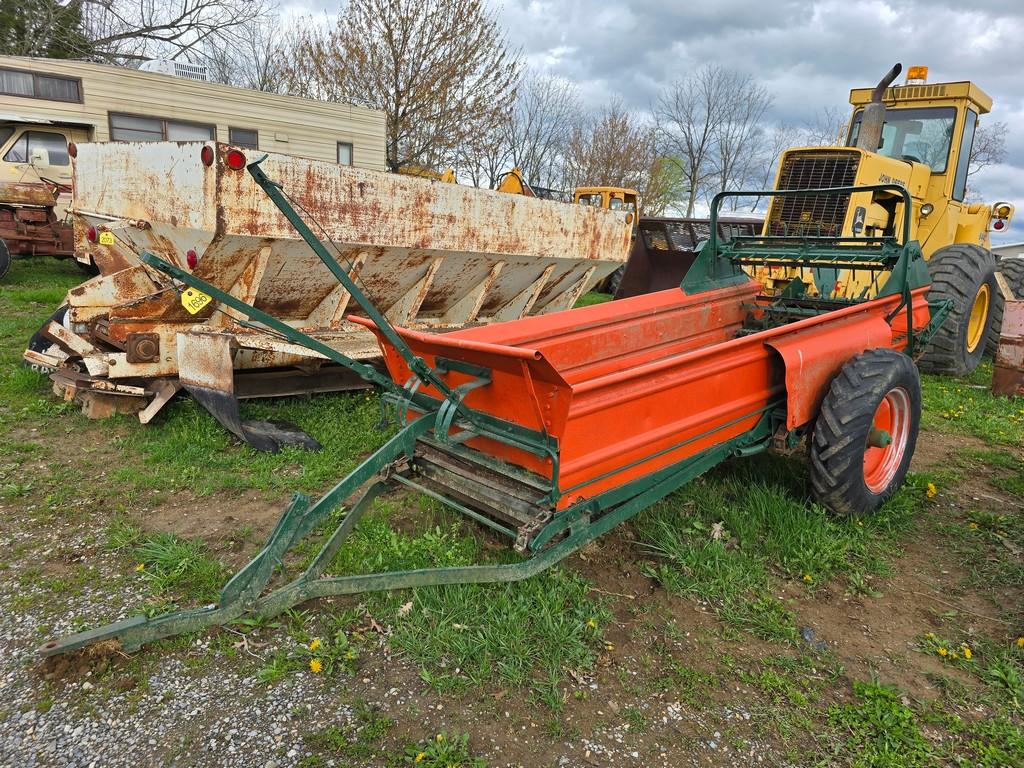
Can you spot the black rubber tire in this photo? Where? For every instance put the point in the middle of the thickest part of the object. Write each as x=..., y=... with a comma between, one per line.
x=5, y=259
x=39, y=343
x=1013, y=271
x=90, y=269
x=958, y=273
x=842, y=428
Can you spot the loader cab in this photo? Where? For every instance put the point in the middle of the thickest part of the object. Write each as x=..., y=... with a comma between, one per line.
x=928, y=124
x=612, y=198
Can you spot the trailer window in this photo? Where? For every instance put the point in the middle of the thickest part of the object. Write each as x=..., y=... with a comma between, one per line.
x=16, y=82
x=344, y=153
x=55, y=144
x=137, y=128
x=244, y=137
x=921, y=134
x=177, y=131
x=130, y=128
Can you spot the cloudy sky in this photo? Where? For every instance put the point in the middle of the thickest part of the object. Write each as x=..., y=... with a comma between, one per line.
x=808, y=53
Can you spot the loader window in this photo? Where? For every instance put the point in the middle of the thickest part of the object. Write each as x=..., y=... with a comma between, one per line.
x=921, y=135
x=963, y=160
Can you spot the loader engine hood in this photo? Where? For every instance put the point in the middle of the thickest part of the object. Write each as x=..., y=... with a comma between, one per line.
x=838, y=214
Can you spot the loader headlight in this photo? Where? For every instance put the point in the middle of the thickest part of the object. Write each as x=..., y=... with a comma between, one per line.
x=926, y=209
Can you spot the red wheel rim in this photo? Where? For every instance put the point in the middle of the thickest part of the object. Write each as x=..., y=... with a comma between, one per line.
x=887, y=441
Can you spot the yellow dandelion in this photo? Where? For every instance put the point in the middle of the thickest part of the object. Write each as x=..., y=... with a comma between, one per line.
x=314, y=644
x=943, y=651
x=967, y=652
x=808, y=578
x=1020, y=642
x=419, y=757
x=973, y=526
x=591, y=624
x=140, y=567
x=932, y=491
x=315, y=666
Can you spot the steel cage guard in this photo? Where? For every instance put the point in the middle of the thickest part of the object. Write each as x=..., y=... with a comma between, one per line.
x=561, y=534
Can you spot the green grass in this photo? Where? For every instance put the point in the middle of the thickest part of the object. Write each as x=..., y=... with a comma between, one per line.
x=967, y=406
x=878, y=729
x=591, y=298
x=527, y=633
x=722, y=537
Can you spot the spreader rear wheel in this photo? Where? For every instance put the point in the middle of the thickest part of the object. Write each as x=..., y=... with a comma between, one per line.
x=5, y=259
x=965, y=274
x=865, y=434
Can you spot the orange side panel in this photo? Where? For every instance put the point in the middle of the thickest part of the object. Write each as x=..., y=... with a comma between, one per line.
x=814, y=356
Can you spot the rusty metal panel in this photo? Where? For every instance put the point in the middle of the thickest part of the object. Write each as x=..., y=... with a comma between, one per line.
x=430, y=255
x=1008, y=374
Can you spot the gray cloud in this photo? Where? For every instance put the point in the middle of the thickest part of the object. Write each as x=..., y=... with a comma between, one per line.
x=808, y=53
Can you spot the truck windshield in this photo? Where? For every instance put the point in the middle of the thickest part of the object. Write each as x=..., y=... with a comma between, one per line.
x=922, y=135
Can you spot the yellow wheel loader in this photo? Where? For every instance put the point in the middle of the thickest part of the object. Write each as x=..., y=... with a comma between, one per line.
x=917, y=136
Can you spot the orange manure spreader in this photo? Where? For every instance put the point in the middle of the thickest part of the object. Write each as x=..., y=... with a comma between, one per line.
x=553, y=430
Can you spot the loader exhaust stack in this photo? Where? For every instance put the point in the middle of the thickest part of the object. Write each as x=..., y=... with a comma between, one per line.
x=870, y=135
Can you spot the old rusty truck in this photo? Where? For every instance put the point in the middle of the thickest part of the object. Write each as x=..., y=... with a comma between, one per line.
x=432, y=255
x=47, y=104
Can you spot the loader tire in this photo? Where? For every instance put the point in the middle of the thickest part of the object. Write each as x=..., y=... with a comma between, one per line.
x=1013, y=271
x=5, y=259
x=865, y=434
x=966, y=275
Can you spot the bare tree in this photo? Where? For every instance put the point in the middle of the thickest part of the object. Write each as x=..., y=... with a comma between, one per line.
x=738, y=134
x=616, y=148
x=137, y=30
x=255, y=61
x=439, y=69
x=989, y=147
x=711, y=121
x=825, y=129
x=537, y=134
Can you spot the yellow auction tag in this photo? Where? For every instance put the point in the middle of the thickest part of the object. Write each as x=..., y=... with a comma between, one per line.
x=193, y=300
x=106, y=238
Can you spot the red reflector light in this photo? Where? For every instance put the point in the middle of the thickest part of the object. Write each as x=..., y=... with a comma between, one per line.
x=191, y=258
x=206, y=155
x=73, y=149
x=234, y=160
x=90, y=234
x=998, y=225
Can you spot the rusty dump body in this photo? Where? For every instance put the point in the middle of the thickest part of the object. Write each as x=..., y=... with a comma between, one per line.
x=430, y=255
x=634, y=386
x=665, y=248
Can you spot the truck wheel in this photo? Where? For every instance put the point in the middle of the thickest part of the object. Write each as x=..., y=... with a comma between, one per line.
x=865, y=434
x=966, y=274
x=5, y=259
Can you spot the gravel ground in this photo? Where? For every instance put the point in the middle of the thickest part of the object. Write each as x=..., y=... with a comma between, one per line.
x=198, y=706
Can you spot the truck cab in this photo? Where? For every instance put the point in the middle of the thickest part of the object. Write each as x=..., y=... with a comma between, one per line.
x=37, y=153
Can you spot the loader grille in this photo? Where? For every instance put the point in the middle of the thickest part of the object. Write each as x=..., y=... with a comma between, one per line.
x=818, y=215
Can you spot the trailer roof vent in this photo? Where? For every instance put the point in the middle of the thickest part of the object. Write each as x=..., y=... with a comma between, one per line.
x=176, y=68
